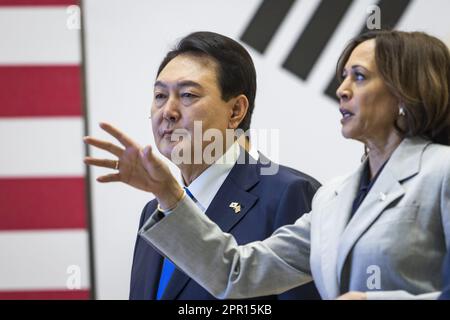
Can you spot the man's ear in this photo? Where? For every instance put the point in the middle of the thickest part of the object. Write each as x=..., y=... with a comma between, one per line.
x=239, y=110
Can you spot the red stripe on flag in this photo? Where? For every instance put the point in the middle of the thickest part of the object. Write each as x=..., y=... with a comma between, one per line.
x=38, y=2
x=28, y=91
x=45, y=295
x=42, y=203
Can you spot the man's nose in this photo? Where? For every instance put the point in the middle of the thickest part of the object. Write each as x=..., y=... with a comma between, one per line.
x=172, y=110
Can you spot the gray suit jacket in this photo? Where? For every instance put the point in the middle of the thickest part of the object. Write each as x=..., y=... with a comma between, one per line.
x=392, y=248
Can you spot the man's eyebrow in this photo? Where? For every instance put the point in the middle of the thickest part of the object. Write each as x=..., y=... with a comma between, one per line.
x=188, y=83
x=181, y=84
x=160, y=84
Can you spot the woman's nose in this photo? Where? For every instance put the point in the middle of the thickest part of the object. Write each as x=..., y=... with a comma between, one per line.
x=343, y=92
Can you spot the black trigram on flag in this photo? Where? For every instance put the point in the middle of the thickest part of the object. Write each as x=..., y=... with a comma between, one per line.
x=315, y=36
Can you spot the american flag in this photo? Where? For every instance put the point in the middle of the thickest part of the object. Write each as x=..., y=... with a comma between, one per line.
x=46, y=198
x=44, y=247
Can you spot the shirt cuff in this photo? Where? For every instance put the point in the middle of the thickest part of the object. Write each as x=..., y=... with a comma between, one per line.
x=166, y=212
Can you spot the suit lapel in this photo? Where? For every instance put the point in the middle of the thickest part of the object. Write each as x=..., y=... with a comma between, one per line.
x=235, y=188
x=385, y=190
x=333, y=221
x=403, y=165
x=220, y=211
x=152, y=275
x=147, y=265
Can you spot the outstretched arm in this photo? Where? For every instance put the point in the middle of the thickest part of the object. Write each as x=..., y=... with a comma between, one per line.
x=196, y=244
x=136, y=166
x=214, y=259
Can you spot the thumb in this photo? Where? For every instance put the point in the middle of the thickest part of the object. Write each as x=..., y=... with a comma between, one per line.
x=148, y=158
x=146, y=153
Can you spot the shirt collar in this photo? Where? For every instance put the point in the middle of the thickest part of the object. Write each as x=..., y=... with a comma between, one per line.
x=253, y=152
x=208, y=183
x=365, y=183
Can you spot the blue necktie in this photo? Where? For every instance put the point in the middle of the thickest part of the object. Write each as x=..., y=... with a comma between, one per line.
x=168, y=266
x=190, y=194
x=168, y=269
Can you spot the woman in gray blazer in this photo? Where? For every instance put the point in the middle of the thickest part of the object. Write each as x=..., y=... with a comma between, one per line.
x=380, y=232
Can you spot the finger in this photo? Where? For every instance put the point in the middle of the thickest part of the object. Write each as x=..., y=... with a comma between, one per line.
x=104, y=145
x=112, y=177
x=148, y=154
x=150, y=160
x=105, y=163
x=116, y=133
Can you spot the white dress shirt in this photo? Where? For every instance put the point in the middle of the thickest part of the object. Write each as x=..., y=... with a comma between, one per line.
x=205, y=187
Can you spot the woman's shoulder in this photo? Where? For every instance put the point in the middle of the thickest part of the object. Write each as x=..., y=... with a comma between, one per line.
x=437, y=154
x=438, y=148
x=436, y=159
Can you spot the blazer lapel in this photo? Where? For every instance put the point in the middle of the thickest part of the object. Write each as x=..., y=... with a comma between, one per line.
x=403, y=165
x=385, y=190
x=241, y=178
x=147, y=265
x=153, y=274
x=333, y=220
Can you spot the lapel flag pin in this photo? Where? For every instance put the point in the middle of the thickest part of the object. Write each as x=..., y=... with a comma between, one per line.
x=235, y=206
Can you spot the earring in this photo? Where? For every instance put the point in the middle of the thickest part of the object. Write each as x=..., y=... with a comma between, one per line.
x=401, y=112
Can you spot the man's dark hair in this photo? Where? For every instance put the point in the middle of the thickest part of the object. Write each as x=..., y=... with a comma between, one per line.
x=236, y=73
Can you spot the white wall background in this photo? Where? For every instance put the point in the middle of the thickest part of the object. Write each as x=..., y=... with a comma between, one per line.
x=125, y=42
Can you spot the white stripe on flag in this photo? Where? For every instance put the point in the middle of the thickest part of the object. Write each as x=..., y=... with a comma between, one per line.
x=43, y=259
x=33, y=35
x=38, y=146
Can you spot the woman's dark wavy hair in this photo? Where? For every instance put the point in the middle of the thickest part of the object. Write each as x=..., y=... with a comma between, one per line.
x=416, y=69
